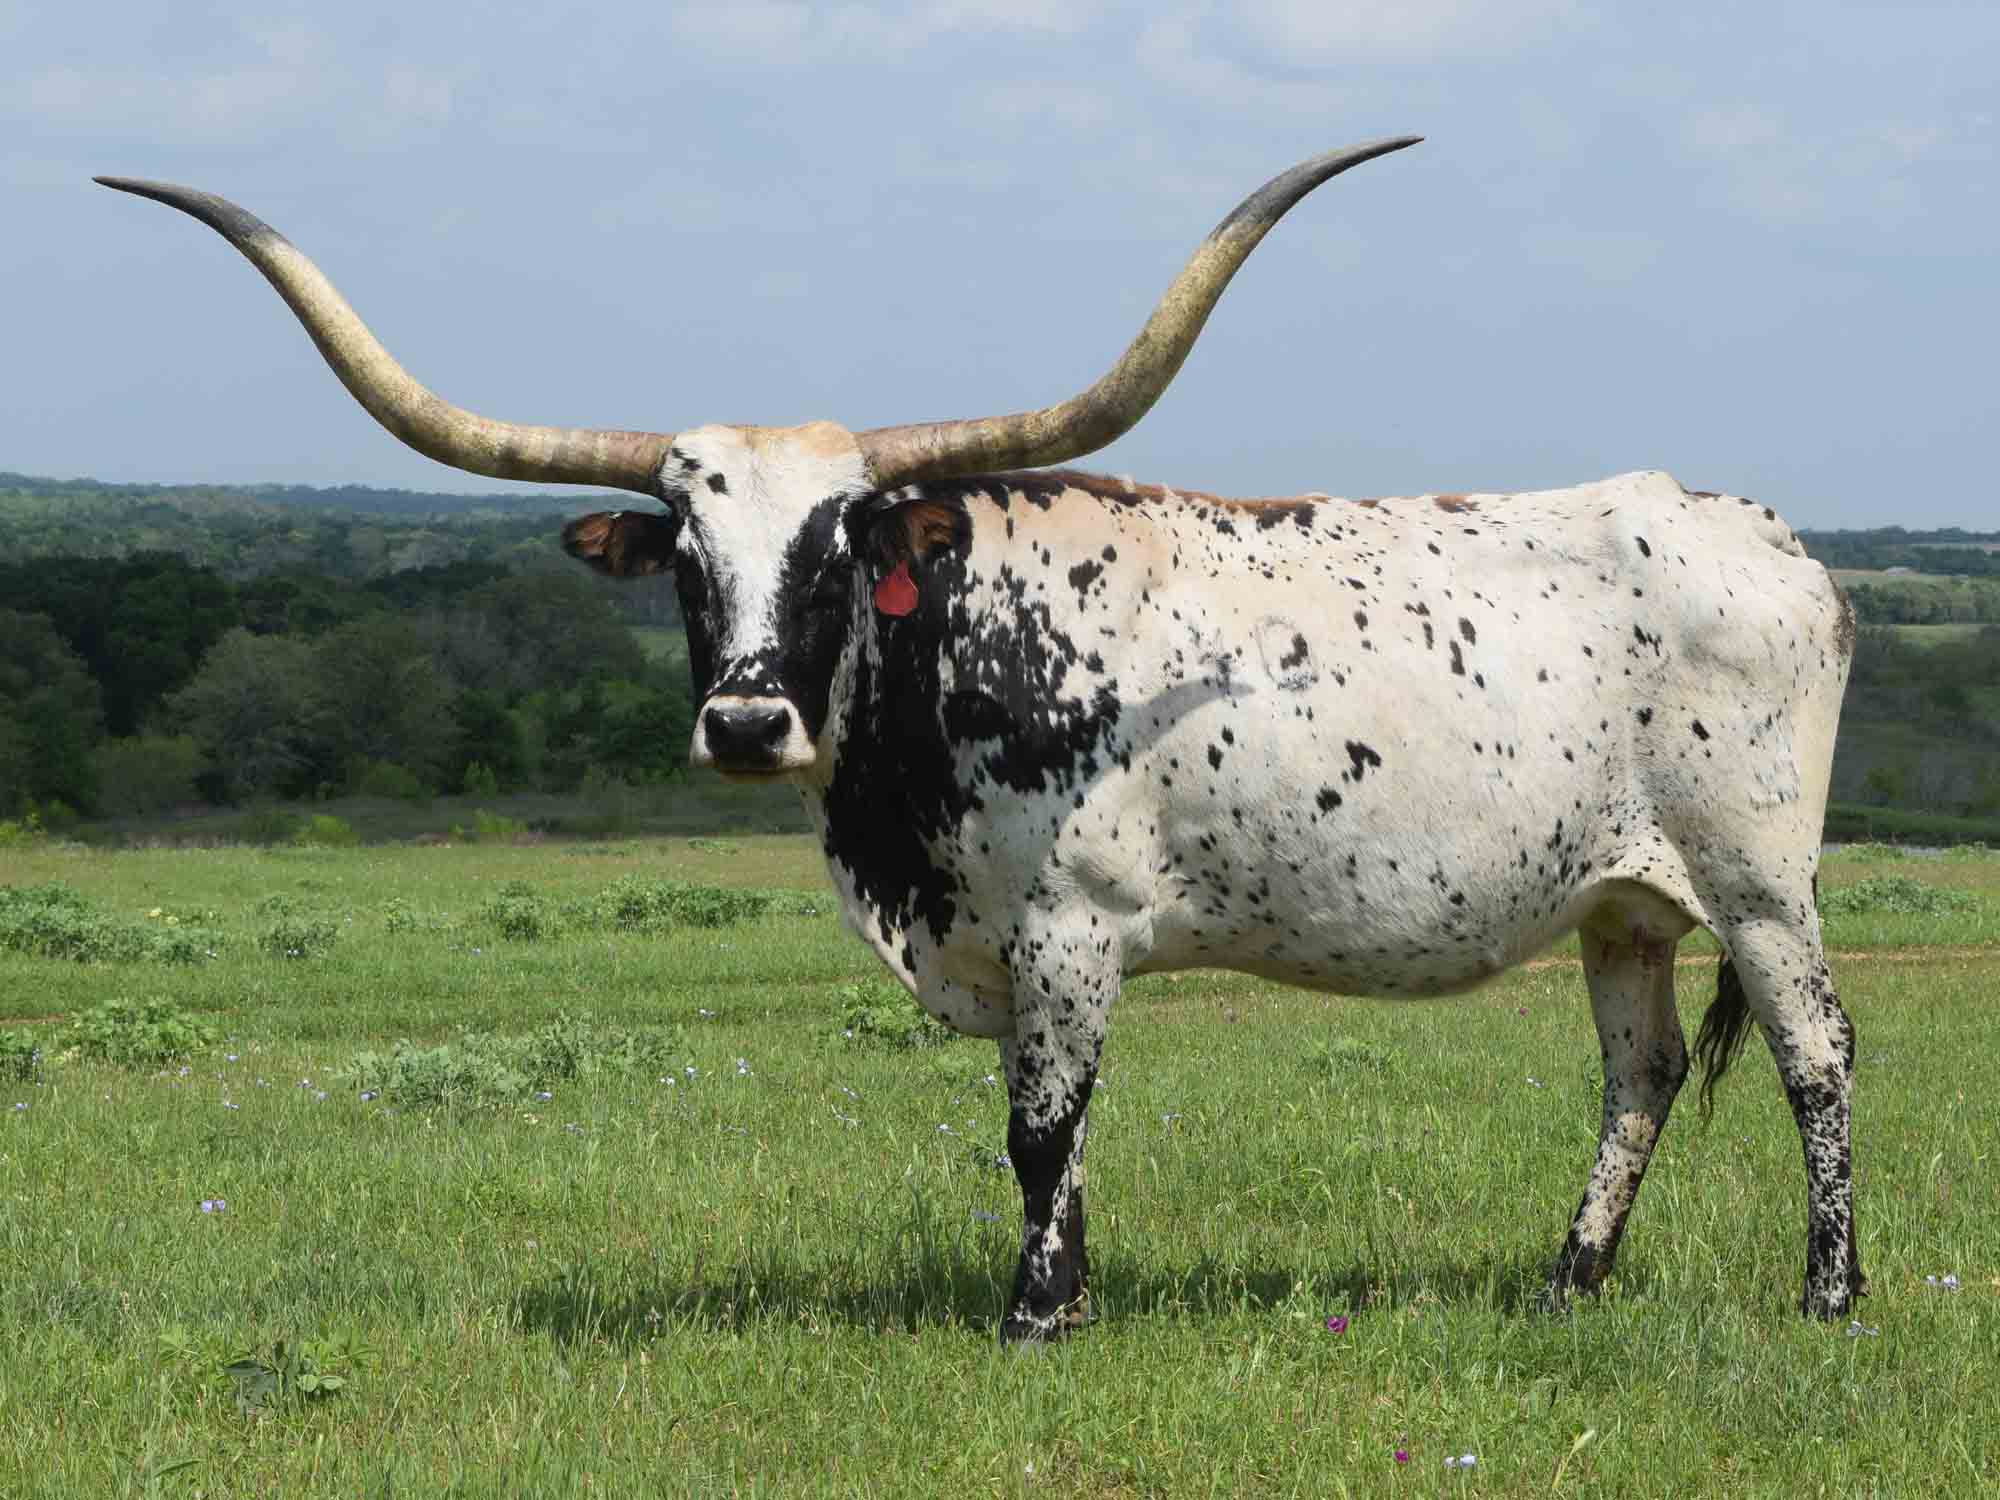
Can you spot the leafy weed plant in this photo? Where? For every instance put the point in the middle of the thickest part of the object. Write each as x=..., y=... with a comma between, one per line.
x=1901, y=894
x=482, y=1070
x=55, y=921
x=20, y=1055
x=876, y=1014
x=137, y=1033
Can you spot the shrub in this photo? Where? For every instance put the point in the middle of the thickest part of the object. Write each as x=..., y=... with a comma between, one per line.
x=488, y=828
x=137, y=1033
x=521, y=912
x=22, y=833
x=326, y=831
x=268, y=825
x=480, y=781
x=1901, y=894
x=292, y=932
x=384, y=778
x=146, y=773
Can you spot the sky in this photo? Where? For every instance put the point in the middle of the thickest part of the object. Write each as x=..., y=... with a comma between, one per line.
x=1757, y=246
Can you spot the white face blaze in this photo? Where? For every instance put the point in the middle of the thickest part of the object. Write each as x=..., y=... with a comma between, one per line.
x=760, y=508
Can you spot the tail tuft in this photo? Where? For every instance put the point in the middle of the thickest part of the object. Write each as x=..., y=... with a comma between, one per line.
x=1722, y=1031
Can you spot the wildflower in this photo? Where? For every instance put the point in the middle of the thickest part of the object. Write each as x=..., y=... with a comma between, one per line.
x=319, y=1093
x=689, y=1070
x=183, y=1072
x=848, y=1120
x=1169, y=1119
x=227, y=1105
x=1462, y=1461
x=1337, y=1323
x=366, y=1095
x=229, y=1057
x=1944, y=1283
x=1534, y=1082
x=983, y=1217
x=1003, y=1160
x=214, y=1205
x=946, y=1130
x=1521, y=1010
x=704, y=1012
x=1402, y=1455
x=21, y=1104
x=544, y=1095
x=742, y=1068
x=1862, y=1331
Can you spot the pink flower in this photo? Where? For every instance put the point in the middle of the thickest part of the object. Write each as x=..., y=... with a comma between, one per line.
x=1402, y=1455
x=1337, y=1323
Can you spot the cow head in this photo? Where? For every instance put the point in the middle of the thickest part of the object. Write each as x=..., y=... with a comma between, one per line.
x=754, y=536
x=770, y=533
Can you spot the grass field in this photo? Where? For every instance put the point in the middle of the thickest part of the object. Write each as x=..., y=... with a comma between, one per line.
x=735, y=1251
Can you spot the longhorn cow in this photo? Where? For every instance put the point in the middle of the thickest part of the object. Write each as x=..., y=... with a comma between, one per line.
x=1054, y=729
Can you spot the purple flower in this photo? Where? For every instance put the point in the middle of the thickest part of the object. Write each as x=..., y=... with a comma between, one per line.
x=213, y=1205
x=1402, y=1455
x=1337, y=1323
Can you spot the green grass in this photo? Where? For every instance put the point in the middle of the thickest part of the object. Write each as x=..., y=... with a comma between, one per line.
x=784, y=1277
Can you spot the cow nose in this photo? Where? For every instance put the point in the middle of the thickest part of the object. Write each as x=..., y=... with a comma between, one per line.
x=746, y=734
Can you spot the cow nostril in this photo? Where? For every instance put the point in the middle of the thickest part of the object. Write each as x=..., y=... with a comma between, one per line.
x=746, y=732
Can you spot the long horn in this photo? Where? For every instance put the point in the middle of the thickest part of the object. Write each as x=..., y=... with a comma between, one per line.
x=1105, y=412
x=429, y=424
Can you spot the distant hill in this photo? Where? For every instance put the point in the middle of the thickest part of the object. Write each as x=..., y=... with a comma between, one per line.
x=352, y=499
x=246, y=531
x=1952, y=549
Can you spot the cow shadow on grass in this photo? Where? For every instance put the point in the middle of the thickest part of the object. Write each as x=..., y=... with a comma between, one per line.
x=633, y=1303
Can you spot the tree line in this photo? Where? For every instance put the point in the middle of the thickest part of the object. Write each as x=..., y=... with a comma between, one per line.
x=130, y=684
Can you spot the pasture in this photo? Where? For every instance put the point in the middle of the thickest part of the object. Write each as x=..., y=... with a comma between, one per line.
x=654, y=1207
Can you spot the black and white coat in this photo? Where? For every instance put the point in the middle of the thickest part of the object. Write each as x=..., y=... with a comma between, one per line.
x=1054, y=729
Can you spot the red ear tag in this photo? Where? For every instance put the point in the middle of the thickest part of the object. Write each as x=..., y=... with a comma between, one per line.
x=896, y=594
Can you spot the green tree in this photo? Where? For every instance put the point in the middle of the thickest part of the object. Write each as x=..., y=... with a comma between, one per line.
x=249, y=708
x=51, y=715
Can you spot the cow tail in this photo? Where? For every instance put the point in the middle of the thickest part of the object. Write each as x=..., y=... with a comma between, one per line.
x=1722, y=1031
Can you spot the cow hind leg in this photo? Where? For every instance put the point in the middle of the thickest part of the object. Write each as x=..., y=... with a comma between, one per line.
x=1629, y=965
x=1788, y=988
x=1051, y=1067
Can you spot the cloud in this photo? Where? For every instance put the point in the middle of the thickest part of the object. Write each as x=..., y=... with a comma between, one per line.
x=1322, y=32
x=792, y=33
x=1790, y=173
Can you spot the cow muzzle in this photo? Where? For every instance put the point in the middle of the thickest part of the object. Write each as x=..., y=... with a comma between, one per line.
x=752, y=738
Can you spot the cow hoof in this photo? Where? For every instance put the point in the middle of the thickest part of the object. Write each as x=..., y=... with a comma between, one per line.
x=1027, y=1328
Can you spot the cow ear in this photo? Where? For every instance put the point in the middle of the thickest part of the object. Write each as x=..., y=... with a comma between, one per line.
x=623, y=543
x=909, y=531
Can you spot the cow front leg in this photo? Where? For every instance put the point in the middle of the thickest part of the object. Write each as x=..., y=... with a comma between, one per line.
x=1631, y=978
x=1051, y=1066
